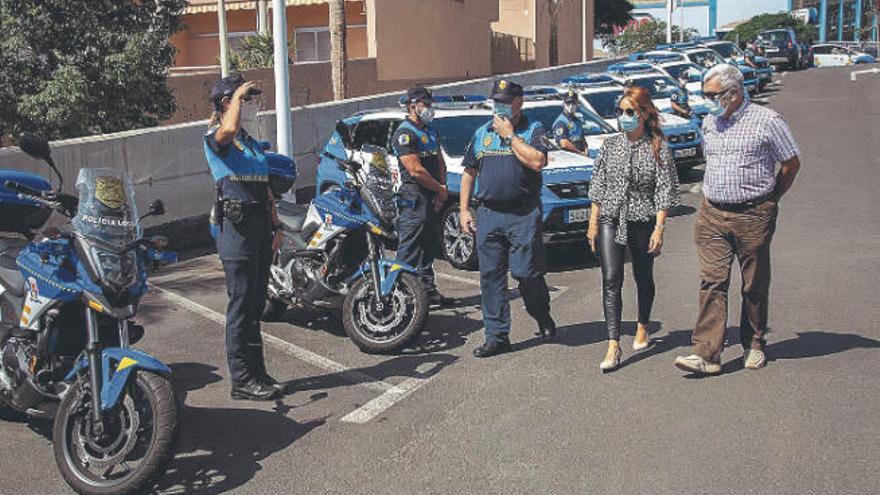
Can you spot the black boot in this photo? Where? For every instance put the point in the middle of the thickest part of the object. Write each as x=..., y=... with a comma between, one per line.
x=489, y=349
x=254, y=390
x=547, y=329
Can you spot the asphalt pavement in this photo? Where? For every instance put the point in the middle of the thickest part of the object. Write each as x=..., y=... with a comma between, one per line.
x=543, y=419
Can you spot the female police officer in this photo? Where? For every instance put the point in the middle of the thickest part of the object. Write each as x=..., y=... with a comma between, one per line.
x=508, y=155
x=246, y=219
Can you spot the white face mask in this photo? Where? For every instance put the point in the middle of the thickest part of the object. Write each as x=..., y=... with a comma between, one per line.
x=247, y=117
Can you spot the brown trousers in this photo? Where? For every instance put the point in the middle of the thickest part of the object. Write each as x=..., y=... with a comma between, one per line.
x=720, y=235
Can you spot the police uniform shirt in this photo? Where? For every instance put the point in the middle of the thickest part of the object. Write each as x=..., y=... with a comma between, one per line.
x=503, y=179
x=679, y=97
x=240, y=168
x=411, y=139
x=569, y=127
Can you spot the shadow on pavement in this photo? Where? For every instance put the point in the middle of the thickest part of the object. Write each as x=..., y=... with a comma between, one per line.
x=220, y=449
x=416, y=366
x=445, y=332
x=818, y=343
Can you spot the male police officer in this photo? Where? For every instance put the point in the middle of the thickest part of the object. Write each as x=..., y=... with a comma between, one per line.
x=568, y=130
x=423, y=189
x=508, y=155
x=679, y=99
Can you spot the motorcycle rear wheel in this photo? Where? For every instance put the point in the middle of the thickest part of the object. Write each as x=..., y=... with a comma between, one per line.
x=392, y=328
x=148, y=407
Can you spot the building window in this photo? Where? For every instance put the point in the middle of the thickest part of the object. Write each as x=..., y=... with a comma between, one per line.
x=313, y=44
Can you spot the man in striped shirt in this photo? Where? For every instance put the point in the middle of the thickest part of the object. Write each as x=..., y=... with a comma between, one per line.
x=743, y=143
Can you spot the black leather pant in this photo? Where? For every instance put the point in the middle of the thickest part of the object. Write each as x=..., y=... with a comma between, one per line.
x=611, y=259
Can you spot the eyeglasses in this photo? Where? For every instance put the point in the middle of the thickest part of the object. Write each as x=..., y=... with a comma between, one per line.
x=715, y=96
x=629, y=112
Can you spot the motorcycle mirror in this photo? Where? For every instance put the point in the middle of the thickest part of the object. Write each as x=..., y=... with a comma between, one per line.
x=344, y=132
x=34, y=145
x=157, y=207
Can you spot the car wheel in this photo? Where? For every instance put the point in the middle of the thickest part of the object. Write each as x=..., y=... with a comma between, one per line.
x=459, y=249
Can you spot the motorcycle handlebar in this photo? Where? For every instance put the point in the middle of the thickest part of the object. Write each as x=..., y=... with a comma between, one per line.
x=23, y=189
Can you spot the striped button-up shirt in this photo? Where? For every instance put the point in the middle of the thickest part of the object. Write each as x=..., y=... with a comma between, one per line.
x=742, y=152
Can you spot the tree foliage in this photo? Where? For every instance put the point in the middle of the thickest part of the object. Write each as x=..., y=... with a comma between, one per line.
x=76, y=67
x=647, y=35
x=611, y=14
x=255, y=52
x=749, y=30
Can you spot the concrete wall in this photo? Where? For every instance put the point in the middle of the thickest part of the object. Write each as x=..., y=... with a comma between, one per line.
x=169, y=162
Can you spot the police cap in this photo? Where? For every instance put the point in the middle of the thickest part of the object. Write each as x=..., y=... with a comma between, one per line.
x=505, y=91
x=226, y=86
x=418, y=93
x=571, y=96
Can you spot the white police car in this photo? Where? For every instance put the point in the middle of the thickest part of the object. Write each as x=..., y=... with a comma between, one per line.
x=707, y=58
x=566, y=177
x=683, y=136
x=732, y=54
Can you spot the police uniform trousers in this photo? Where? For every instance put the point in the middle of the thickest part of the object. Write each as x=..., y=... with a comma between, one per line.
x=511, y=240
x=417, y=232
x=246, y=253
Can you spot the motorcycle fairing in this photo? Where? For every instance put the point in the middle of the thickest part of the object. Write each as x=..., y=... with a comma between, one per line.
x=389, y=270
x=123, y=362
x=345, y=209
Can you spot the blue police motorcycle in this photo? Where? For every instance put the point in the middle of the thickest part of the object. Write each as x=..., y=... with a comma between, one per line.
x=66, y=325
x=333, y=257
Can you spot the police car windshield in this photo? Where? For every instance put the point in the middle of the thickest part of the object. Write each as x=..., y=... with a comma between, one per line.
x=727, y=50
x=780, y=35
x=703, y=56
x=547, y=115
x=659, y=87
x=604, y=103
x=456, y=132
x=677, y=71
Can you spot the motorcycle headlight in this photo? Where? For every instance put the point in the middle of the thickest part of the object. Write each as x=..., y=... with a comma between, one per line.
x=117, y=270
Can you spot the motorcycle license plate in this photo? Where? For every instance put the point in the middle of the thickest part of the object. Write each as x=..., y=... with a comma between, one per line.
x=685, y=153
x=578, y=215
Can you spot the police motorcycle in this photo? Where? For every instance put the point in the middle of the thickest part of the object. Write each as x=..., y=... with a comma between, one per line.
x=66, y=309
x=332, y=257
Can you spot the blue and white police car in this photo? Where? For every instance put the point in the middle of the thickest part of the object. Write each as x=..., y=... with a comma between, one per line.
x=707, y=58
x=566, y=178
x=732, y=54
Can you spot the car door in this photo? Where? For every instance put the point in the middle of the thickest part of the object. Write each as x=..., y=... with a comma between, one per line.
x=821, y=56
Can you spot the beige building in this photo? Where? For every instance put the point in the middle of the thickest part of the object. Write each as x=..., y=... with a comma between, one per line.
x=428, y=39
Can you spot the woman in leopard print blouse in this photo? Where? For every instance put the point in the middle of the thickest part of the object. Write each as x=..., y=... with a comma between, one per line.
x=634, y=185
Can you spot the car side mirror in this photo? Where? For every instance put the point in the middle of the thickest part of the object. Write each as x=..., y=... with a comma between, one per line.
x=344, y=132
x=34, y=145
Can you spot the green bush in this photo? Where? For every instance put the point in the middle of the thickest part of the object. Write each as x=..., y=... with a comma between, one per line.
x=646, y=36
x=749, y=30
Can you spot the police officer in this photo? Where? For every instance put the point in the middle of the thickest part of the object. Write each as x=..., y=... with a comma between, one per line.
x=507, y=154
x=749, y=56
x=423, y=191
x=568, y=130
x=678, y=97
x=248, y=231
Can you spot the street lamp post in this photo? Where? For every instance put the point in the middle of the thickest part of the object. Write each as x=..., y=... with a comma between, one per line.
x=669, y=8
x=224, y=42
x=284, y=121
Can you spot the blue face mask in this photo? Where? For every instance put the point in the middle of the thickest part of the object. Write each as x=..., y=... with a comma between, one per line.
x=504, y=110
x=627, y=123
x=715, y=108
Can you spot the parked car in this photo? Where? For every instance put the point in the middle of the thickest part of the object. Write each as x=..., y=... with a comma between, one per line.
x=566, y=178
x=782, y=48
x=831, y=55
x=707, y=58
x=732, y=54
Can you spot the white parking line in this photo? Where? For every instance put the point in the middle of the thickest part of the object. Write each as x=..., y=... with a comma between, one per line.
x=391, y=394
x=555, y=291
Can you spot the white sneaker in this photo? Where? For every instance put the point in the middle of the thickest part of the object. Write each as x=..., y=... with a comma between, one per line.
x=696, y=364
x=754, y=359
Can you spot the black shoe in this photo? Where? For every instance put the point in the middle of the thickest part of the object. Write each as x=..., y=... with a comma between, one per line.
x=547, y=329
x=493, y=348
x=254, y=390
x=437, y=300
x=266, y=379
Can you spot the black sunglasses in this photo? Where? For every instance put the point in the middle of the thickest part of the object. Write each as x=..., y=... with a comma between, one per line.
x=715, y=96
x=629, y=112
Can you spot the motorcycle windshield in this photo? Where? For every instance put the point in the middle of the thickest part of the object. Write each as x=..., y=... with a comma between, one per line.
x=107, y=213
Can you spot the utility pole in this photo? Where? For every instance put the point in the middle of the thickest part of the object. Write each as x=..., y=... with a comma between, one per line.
x=584, y=31
x=263, y=17
x=224, y=42
x=669, y=8
x=283, y=119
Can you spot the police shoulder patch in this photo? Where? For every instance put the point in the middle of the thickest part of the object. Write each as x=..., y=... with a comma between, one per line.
x=425, y=138
x=487, y=141
x=560, y=131
x=403, y=139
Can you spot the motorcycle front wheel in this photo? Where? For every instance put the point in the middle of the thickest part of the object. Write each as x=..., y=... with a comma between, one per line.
x=137, y=442
x=392, y=326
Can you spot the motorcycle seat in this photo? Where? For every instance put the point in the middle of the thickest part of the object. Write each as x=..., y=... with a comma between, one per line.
x=292, y=216
x=12, y=281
